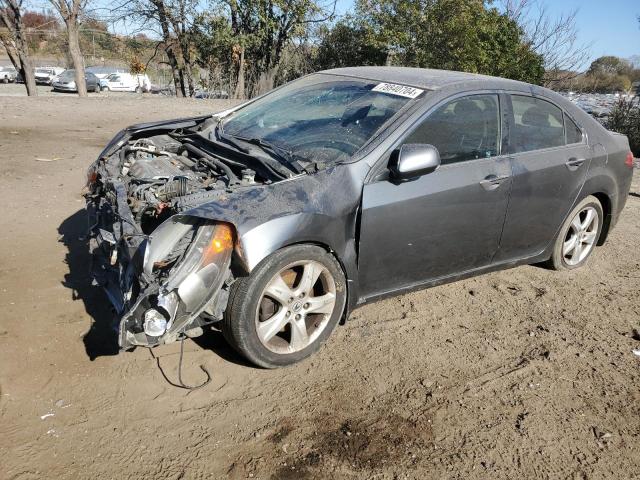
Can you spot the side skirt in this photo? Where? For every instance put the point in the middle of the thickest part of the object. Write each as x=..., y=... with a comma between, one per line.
x=545, y=255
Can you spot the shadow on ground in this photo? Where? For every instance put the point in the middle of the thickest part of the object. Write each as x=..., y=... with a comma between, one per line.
x=102, y=338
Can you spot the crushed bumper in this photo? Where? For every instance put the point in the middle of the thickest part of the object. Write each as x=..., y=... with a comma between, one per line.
x=118, y=247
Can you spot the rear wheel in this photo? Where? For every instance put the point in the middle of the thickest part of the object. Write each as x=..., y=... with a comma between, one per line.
x=578, y=236
x=287, y=308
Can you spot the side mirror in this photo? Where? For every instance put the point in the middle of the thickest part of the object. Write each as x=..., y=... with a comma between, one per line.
x=413, y=160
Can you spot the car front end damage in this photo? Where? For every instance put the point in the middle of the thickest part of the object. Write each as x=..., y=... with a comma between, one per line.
x=166, y=272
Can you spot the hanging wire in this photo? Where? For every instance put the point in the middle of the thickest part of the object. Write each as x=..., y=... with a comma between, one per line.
x=180, y=383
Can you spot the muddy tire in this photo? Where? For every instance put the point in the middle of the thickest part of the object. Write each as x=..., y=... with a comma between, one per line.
x=578, y=236
x=287, y=308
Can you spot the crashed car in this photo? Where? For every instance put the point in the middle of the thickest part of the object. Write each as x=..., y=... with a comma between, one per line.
x=274, y=220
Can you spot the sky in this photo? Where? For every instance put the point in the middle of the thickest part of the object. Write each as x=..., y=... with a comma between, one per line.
x=611, y=27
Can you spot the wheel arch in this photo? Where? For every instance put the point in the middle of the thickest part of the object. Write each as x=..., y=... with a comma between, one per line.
x=605, y=202
x=254, y=245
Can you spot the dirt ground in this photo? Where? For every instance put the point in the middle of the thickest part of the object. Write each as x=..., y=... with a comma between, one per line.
x=525, y=373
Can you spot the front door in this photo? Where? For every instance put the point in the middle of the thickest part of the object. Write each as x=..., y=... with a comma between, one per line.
x=550, y=163
x=445, y=222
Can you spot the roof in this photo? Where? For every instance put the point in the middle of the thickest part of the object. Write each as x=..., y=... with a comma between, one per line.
x=426, y=78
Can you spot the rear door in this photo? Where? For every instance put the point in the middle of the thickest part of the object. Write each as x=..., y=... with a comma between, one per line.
x=445, y=222
x=550, y=158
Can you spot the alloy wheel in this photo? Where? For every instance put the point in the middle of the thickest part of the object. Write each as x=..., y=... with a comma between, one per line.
x=581, y=236
x=295, y=307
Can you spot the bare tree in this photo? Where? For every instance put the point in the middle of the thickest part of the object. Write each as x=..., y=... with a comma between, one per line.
x=172, y=21
x=13, y=39
x=70, y=12
x=268, y=27
x=555, y=38
x=159, y=13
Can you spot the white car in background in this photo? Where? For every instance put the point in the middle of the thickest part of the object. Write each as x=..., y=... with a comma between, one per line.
x=46, y=75
x=127, y=82
x=8, y=74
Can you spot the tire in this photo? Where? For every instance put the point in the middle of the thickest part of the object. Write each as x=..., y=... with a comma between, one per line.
x=138, y=90
x=585, y=236
x=5, y=80
x=251, y=306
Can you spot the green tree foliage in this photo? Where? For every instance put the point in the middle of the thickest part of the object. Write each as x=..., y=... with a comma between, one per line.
x=347, y=44
x=625, y=119
x=609, y=65
x=608, y=74
x=461, y=35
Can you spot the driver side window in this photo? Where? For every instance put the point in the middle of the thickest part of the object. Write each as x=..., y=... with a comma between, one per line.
x=464, y=129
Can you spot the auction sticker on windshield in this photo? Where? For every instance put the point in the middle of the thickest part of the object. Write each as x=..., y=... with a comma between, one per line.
x=394, y=89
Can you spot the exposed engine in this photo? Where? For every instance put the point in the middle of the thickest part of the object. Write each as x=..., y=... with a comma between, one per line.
x=163, y=176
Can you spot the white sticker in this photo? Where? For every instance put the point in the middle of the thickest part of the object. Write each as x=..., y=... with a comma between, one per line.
x=394, y=89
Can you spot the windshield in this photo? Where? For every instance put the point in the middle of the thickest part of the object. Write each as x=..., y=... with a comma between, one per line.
x=67, y=75
x=318, y=118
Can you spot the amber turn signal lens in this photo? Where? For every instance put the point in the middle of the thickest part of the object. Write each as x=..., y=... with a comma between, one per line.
x=222, y=240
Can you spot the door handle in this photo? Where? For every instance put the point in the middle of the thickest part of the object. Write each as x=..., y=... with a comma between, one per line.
x=491, y=182
x=575, y=163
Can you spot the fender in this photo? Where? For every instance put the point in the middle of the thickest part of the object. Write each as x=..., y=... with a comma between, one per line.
x=321, y=209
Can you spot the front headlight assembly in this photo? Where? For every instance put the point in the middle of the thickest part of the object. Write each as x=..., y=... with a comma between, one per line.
x=194, y=278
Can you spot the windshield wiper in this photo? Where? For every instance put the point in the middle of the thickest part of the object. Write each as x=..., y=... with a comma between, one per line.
x=277, y=152
x=280, y=154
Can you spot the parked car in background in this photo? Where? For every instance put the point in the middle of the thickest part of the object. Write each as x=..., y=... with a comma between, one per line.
x=66, y=82
x=127, y=82
x=46, y=75
x=204, y=94
x=278, y=217
x=8, y=74
x=103, y=72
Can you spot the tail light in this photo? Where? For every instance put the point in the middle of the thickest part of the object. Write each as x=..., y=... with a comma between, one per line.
x=629, y=161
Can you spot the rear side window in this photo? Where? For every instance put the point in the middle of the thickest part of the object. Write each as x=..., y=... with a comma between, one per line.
x=463, y=129
x=574, y=134
x=538, y=124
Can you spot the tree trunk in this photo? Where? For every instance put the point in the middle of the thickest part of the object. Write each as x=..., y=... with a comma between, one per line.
x=266, y=81
x=239, y=93
x=169, y=45
x=76, y=55
x=175, y=72
x=191, y=86
x=15, y=43
x=28, y=73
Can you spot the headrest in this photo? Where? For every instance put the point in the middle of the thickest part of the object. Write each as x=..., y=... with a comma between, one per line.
x=536, y=116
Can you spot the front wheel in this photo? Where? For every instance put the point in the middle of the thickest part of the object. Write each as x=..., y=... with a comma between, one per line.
x=578, y=235
x=286, y=309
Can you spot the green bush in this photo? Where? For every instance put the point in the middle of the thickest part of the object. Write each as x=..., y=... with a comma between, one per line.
x=625, y=119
